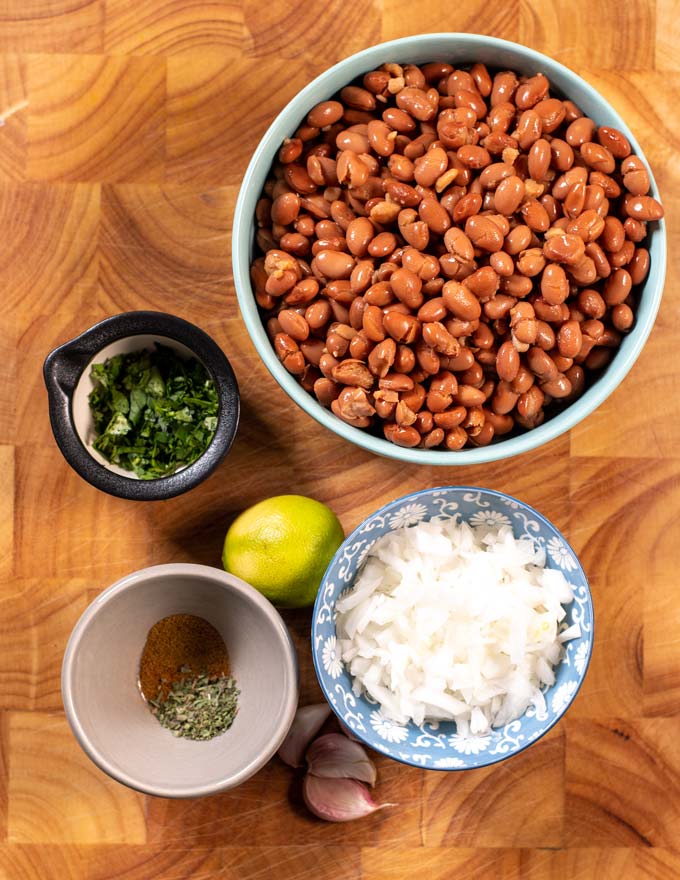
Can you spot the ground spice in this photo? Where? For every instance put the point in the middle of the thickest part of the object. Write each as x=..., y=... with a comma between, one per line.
x=177, y=648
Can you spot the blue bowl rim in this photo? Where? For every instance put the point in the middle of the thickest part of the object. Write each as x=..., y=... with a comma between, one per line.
x=286, y=122
x=497, y=494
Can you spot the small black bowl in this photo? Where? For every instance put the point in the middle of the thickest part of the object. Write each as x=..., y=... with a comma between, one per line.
x=67, y=378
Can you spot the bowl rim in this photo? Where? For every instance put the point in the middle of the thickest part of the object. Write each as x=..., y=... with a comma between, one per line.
x=458, y=489
x=286, y=122
x=221, y=580
x=64, y=366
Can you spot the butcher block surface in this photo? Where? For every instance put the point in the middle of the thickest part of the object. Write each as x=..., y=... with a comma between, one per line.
x=126, y=128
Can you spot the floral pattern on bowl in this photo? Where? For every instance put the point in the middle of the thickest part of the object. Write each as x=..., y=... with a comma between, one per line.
x=437, y=745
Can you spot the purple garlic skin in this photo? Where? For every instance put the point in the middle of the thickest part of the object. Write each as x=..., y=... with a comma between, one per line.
x=338, y=800
x=307, y=723
x=336, y=756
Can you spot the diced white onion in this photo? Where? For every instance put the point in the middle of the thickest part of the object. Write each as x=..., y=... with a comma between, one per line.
x=449, y=622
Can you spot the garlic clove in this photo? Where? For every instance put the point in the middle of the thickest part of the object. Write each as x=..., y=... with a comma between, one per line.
x=335, y=756
x=349, y=733
x=338, y=800
x=306, y=724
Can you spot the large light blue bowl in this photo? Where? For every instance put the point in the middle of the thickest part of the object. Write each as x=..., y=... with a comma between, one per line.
x=457, y=49
x=439, y=746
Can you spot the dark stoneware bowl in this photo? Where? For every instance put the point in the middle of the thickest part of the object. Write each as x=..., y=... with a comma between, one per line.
x=67, y=376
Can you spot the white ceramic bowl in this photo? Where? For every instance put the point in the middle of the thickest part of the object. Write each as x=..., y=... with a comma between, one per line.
x=110, y=718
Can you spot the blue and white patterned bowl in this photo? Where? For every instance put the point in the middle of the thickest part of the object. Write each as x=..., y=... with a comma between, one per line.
x=437, y=746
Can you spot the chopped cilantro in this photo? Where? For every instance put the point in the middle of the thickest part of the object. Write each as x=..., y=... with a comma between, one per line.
x=153, y=411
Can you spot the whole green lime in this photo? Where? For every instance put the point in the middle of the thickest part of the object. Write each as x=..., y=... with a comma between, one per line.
x=282, y=547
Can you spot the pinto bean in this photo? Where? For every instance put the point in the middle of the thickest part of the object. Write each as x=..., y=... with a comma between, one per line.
x=444, y=252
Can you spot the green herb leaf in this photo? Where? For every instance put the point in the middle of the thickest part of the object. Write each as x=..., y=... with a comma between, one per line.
x=137, y=404
x=164, y=407
x=118, y=426
x=198, y=708
x=154, y=384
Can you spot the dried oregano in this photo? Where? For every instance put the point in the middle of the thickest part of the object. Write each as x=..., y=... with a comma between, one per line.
x=199, y=707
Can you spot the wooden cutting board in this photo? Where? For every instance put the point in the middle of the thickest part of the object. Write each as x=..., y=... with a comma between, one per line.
x=99, y=215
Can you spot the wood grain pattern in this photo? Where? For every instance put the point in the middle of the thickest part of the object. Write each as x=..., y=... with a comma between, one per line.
x=623, y=585
x=440, y=863
x=96, y=118
x=7, y=512
x=64, y=798
x=291, y=862
x=34, y=212
x=268, y=809
x=583, y=34
x=518, y=804
x=33, y=611
x=622, y=782
x=96, y=861
x=4, y=769
x=170, y=232
x=667, y=37
x=12, y=117
x=206, y=93
x=605, y=864
x=402, y=18
x=125, y=130
x=164, y=28
x=661, y=662
x=287, y=30
x=44, y=26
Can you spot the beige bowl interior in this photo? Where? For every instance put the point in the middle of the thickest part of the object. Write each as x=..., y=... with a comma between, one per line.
x=110, y=717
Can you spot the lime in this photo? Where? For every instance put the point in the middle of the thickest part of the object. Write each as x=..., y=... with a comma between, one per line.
x=282, y=547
